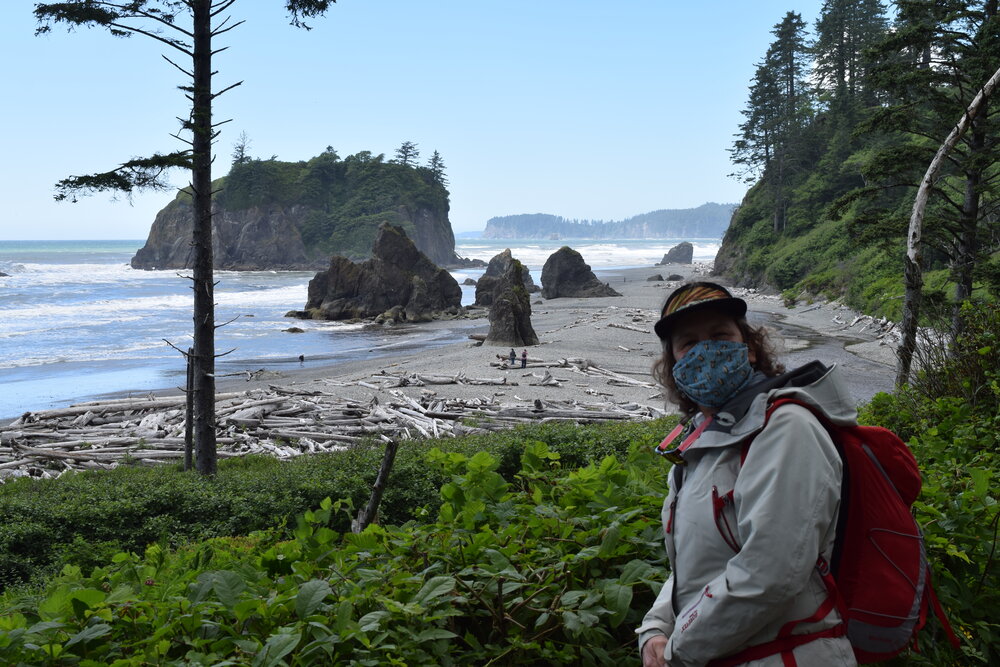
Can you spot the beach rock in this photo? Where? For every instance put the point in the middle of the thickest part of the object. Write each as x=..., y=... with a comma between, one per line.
x=675, y=277
x=469, y=281
x=398, y=283
x=498, y=266
x=510, y=310
x=294, y=330
x=654, y=278
x=4, y=275
x=565, y=274
x=682, y=253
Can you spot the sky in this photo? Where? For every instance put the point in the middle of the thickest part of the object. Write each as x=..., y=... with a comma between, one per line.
x=578, y=108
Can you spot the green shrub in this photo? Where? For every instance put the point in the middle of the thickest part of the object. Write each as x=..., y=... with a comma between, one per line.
x=555, y=566
x=43, y=523
x=950, y=416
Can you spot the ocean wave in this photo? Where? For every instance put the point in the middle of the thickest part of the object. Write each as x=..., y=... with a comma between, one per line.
x=53, y=356
x=598, y=254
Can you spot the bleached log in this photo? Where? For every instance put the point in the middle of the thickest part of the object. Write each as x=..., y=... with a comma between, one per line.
x=314, y=435
x=438, y=379
x=615, y=325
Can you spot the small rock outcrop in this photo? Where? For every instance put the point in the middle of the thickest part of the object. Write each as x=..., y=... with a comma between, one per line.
x=565, y=274
x=682, y=253
x=654, y=278
x=497, y=268
x=470, y=282
x=675, y=277
x=510, y=309
x=397, y=283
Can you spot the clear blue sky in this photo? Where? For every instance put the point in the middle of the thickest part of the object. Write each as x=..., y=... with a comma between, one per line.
x=579, y=108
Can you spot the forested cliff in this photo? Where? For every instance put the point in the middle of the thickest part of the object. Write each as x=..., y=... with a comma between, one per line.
x=270, y=214
x=840, y=125
x=706, y=221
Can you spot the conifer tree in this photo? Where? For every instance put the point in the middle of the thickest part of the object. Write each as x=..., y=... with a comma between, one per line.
x=777, y=112
x=407, y=154
x=436, y=165
x=188, y=28
x=845, y=30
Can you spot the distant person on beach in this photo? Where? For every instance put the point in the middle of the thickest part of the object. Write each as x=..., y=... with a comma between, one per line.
x=524, y=358
x=745, y=527
x=513, y=357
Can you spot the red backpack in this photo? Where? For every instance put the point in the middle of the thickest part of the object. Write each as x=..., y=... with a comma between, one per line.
x=879, y=579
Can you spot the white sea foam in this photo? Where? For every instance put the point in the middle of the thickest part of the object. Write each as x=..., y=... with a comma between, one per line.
x=149, y=349
x=598, y=254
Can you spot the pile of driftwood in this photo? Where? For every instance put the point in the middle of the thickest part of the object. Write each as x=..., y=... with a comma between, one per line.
x=279, y=421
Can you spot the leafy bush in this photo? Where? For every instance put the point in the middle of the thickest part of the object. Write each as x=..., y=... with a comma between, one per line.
x=950, y=415
x=44, y=524
x=552, y=567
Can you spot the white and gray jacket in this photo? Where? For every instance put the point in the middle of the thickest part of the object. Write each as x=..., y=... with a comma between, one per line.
x=737, y=579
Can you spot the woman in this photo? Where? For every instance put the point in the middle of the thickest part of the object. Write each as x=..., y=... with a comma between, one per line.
x=746, y=527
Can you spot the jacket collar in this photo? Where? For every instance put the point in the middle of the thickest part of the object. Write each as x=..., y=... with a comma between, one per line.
x=744, y=413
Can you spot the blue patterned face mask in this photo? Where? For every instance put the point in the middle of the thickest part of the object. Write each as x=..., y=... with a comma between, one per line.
x=713, y=371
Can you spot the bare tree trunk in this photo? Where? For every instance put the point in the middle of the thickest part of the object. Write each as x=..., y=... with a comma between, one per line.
x=913, y=264
x=204, y=285
x=189, y=410
x=367, y=515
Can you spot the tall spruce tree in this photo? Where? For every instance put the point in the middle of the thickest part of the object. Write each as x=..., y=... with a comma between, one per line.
x=845, y=30
x=777, y=112
x=188, y=29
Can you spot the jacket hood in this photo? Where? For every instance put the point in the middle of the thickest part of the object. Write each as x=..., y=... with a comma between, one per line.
x=814, y=384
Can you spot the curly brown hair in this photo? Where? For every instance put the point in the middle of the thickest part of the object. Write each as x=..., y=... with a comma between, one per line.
x=756, y=338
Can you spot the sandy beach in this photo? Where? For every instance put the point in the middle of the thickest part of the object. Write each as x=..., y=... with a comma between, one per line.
x=614, y=334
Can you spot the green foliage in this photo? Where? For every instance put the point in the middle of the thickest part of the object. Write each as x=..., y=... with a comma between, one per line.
x=950, y=416
x=80, y=518
x=552, y=567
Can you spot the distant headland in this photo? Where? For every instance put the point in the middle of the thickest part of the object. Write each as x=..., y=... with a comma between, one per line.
x=706, y=221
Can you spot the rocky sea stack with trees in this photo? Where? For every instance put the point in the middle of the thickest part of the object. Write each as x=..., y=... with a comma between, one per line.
x=271, y=214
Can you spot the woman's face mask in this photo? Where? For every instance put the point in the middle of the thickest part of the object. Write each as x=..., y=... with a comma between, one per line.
x=713, y=371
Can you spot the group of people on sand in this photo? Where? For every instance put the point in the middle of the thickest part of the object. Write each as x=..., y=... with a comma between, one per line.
x=524, y=358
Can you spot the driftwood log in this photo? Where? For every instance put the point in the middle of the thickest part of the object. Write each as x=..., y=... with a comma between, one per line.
x=285, y=422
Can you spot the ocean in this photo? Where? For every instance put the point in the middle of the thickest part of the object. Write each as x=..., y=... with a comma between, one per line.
x=77, y=322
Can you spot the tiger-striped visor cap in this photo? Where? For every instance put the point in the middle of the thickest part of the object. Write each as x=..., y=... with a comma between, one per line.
x=693, y=297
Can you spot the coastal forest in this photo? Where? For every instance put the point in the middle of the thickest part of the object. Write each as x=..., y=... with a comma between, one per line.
x=706, y=221
x=841, y=122
x=542, y=544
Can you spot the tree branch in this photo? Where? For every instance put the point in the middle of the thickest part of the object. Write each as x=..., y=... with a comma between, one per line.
x=227, y=88
x=182, y=70
x=136, y=174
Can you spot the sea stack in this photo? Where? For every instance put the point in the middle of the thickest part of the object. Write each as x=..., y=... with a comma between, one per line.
x=565, y=274
x=397, y=279
x=497, y=268
x=510, y=309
